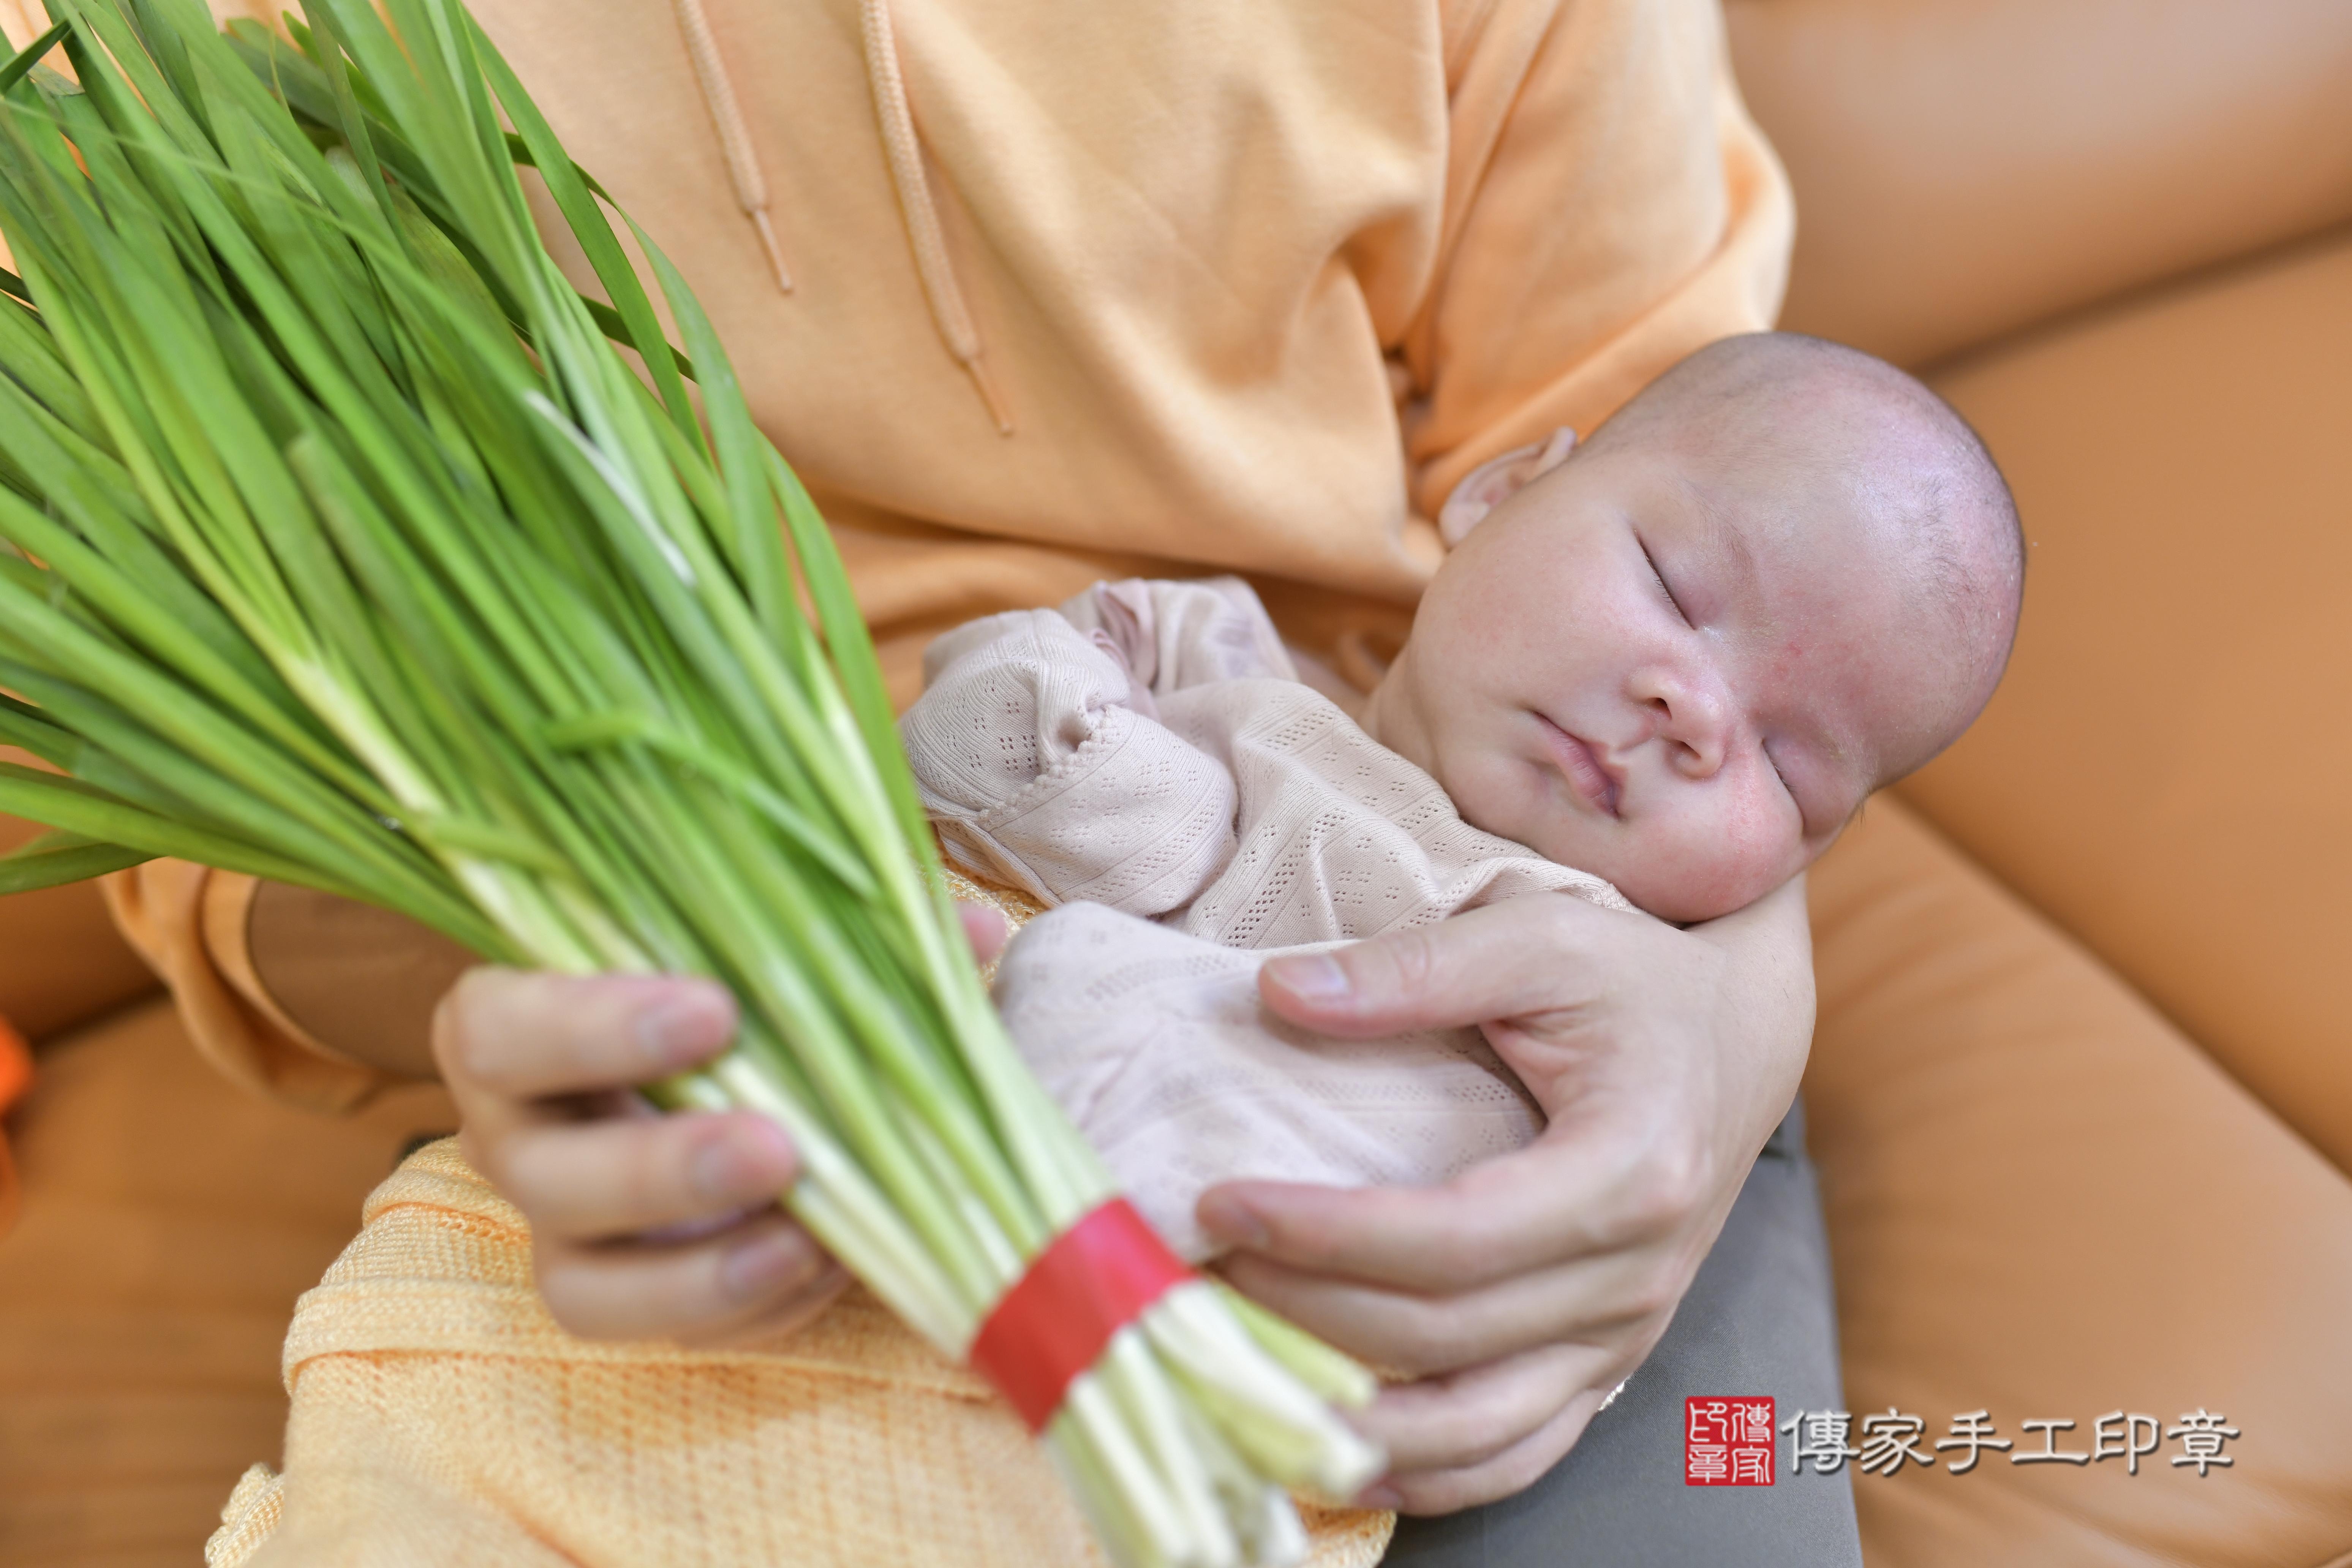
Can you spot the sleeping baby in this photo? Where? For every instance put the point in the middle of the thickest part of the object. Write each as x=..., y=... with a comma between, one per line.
x=1660, y=670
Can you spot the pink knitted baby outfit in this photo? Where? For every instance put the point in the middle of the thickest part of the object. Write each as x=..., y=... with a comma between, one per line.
x=1146, y=763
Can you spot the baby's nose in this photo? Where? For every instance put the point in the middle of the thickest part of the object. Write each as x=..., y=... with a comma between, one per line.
x=1688, y=714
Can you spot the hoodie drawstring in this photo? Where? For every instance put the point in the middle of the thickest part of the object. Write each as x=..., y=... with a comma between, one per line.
x=742, y=162
x=915, y=207
x=917, y=210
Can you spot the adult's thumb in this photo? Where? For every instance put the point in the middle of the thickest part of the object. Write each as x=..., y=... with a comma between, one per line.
x=1494, y=962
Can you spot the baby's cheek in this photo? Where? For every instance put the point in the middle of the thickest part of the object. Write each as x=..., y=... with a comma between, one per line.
x=1719, y=857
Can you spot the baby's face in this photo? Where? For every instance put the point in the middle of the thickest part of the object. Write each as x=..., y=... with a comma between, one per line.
x=1684, y=677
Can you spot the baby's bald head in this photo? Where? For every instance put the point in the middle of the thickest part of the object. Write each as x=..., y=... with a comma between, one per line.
x=1681, y=655
x=1761, y=417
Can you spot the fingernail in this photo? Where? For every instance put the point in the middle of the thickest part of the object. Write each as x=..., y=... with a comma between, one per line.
x=681, y=1029
x=1311, y=978
x=761, y=1266
x=740, y=1163
x=1381, y=1496
x=1232, y=1222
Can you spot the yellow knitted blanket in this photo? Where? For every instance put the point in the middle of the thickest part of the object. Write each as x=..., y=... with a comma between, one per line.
x=440, y=1416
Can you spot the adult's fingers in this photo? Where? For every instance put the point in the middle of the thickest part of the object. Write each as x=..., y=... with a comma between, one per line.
x=522, y=1034
x=1525, y=955
x=1604, y=1297
x=687, y=1289
x=1454, y=1422
x=785, y=1317
x=986, y=929
x=593, y=1179
x=1499, y=1475
x=1560, y=1197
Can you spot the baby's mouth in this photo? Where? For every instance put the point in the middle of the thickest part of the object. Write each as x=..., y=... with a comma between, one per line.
x=1581, y=766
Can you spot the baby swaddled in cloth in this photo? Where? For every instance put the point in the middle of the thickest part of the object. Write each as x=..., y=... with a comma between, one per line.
x=1147, y=759
x=1659, y=672
x=1783, y=577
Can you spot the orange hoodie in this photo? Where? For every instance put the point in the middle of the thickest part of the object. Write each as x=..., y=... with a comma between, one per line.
x=1098, y=290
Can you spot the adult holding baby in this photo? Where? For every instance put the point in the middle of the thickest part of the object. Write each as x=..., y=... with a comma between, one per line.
x=1036, y=298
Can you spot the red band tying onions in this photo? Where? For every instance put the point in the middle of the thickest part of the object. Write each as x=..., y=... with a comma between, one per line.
x=1091, y=1281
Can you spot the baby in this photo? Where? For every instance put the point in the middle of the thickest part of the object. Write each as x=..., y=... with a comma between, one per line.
x=1660, y=668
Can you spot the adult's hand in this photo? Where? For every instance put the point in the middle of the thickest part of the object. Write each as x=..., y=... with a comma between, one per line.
x=642, y=1226
x=1518, y=1294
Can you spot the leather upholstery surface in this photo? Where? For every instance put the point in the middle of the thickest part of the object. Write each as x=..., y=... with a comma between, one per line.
x=170, y=1220
x=1966, y=167
x=2167, y=771
x=2044, y=1202
x=61, y=961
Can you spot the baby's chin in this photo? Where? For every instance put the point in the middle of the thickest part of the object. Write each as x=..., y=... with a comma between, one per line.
x=1689, y=895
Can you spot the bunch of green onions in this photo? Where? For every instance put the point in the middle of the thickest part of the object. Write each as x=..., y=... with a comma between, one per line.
x=345, y=547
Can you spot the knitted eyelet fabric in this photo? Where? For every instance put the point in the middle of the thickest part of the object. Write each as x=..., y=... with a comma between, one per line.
x=1143, y=759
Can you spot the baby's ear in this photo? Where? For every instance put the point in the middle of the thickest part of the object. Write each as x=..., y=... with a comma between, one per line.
x=1492, y=483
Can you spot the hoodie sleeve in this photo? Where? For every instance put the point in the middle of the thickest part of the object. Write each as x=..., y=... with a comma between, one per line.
x=1609, y=207
x=191, y=924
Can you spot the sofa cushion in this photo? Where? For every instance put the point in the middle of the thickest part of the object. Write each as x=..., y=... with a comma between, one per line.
x=2164, y=772
x=1964, y=167
x=169, y=1223
x=2044, y=1203
x=61, y=961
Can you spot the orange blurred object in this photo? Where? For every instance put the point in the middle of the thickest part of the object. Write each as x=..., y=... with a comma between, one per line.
x=15, y=1078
